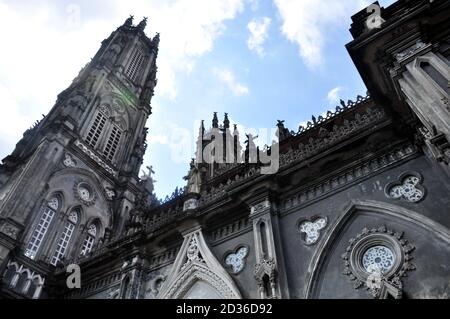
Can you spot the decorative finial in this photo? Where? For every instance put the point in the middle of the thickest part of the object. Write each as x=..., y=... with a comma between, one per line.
x=155, y=40
x=202, y=127
x=142, y=24
x=215, y=121
x=129, y=21
x=226, y=122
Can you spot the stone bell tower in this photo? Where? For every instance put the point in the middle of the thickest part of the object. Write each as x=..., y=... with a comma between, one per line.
x=70, y=183
x=405, y=63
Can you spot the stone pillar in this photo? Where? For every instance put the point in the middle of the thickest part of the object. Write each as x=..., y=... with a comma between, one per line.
x=427, y=95
x=268, y=271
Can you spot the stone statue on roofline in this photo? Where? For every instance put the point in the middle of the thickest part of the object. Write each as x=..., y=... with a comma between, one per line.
x=148, y=181
x=194, y=179
x=129, y=21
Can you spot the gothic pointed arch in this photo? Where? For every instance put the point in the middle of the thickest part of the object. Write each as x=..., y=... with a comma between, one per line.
x=359, y=207
x=196, y=268
x=117, y=106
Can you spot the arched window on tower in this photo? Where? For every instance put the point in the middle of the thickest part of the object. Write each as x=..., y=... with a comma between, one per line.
x=89, y=241
x=97, y=126
x=64, y=240
x=48, y=212
x=112, y=144
x=136, y=62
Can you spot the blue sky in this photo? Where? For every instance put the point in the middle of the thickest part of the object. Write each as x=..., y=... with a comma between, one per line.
x=258, y=60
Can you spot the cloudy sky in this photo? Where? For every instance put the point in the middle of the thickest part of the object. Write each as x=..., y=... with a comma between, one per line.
x=258, y=60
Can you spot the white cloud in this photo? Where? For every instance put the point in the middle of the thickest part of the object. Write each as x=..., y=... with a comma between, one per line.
x=13, y=122
x=52, y=41
x=227, y=78
x=306, y=22
x=259, y=28
x=254, y=5
x=334, y=95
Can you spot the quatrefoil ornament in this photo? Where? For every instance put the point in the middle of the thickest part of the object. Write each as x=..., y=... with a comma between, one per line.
x=311, y=230
x=408, y=188
x=236, y=260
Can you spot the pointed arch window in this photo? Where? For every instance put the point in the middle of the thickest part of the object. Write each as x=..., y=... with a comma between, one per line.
x=89, y=240
x=113, y=142
x=137, y=60
x=97, y=127
x=64, y=240
x=41, y=228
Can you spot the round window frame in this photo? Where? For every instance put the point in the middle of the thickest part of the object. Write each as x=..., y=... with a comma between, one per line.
x=92, y=193
x=372, y=240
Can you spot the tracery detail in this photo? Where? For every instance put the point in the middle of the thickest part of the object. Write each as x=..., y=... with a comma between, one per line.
x=312, y=230
x=236, y=260
x=377, y=259
x=408, y=188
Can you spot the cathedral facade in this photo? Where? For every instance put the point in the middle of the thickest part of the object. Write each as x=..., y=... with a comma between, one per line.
x=357, y=207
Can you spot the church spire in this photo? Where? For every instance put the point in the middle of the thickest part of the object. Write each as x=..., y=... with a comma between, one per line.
x=226, y=122
x=215, y=121
x=199, y=151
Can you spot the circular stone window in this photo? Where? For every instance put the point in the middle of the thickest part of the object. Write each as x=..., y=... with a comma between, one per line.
x=378, y=259
x=377, y=251
x=84, y=193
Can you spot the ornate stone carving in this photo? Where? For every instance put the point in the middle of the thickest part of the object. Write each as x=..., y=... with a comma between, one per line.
x=408, y=187
x=68, y=161
x=266, y=269
x=410, y=51
x=194, y=263
x=193, y=252
x=94, y=157
x=311, y=230
x=53, y=203
x=339, y=109
x=353, y=175
x=9, y=230
x=236, y=260
x=110, y=193
x=377, y=259
x=339, y=133
x=31, y=277
x=260, y=207
x=190, y=204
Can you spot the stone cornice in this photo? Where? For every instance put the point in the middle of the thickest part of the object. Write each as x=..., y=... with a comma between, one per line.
x=314, y=192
